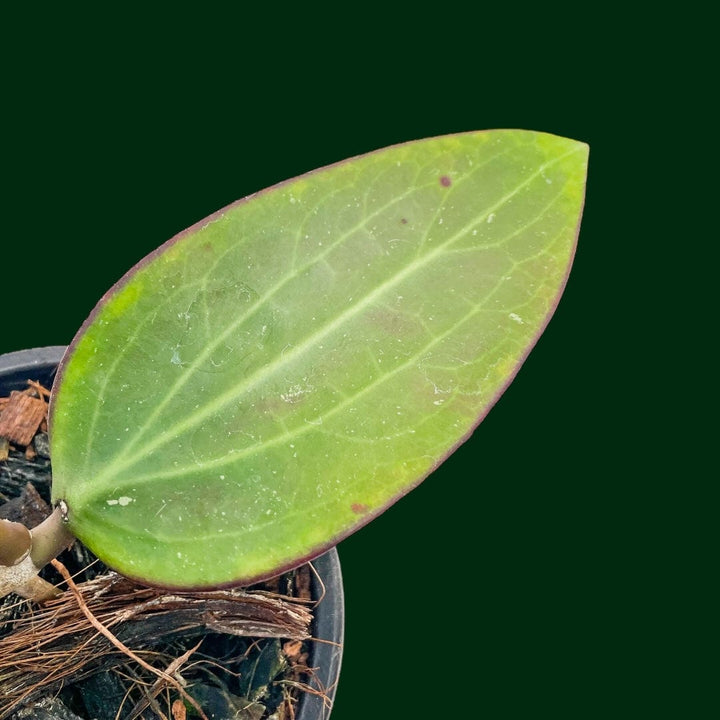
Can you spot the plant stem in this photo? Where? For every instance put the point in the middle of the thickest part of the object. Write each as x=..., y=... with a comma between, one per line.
x=50, y=538
x=23, y=553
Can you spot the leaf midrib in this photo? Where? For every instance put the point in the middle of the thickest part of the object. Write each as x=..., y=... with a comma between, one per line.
x=294, y=433
x=112, y=469
x=217, y=341
x=188, y=371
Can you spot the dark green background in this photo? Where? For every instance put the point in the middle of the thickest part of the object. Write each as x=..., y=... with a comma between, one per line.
x=514, y=582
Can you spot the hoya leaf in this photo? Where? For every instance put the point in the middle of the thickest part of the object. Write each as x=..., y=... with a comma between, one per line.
x=274, y=377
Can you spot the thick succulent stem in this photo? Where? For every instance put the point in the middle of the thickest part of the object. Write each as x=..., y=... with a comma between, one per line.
x=50, y=538
x=23, y=553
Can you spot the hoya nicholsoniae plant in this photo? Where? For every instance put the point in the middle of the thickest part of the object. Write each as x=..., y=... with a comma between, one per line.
x=268, y=381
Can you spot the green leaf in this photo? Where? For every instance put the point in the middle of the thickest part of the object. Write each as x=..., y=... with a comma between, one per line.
x=274, y=377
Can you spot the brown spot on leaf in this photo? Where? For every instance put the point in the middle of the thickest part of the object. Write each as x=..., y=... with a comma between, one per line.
x=403, y=221
x=359, y=508
x=445, y=181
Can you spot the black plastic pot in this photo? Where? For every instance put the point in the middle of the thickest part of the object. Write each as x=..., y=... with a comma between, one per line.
x=328, y=625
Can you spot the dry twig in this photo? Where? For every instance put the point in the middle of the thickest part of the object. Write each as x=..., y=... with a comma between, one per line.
x=57, y=643
x=164, y=675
